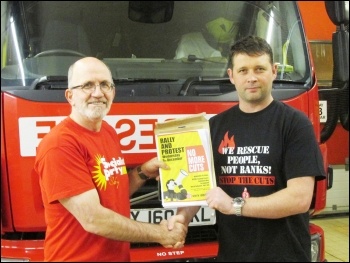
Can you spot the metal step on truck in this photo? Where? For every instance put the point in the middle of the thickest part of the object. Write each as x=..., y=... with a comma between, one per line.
x=164, y=66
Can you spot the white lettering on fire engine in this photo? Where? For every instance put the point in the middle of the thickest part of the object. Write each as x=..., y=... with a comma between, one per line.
x=32, y=130
x=170, y=253
x=136, y=132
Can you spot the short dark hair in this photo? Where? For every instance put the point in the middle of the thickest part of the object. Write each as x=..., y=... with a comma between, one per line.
x=252, y=46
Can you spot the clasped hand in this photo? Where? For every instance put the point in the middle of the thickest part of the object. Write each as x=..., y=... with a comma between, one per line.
x=175, y=231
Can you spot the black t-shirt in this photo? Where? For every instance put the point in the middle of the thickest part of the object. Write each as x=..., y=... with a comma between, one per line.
x=256, y=154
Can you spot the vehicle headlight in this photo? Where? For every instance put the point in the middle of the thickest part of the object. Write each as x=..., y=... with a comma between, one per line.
x=315, y=247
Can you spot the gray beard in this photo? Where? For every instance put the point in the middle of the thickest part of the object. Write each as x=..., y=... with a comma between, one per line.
x=96, y=114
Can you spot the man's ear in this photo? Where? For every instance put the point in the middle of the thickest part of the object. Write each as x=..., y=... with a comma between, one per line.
x=229, y=73
x=275, y=70
x=69, y=96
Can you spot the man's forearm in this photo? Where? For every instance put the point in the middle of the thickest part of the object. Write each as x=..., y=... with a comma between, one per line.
x=135, y=181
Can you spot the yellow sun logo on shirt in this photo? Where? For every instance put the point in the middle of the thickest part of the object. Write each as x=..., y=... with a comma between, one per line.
x=99, y=178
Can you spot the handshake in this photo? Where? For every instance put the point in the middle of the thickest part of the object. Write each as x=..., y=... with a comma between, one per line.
x=175, y=229
x=173, y=232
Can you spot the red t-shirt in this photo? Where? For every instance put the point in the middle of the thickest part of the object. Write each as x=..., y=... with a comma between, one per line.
x=71, y=160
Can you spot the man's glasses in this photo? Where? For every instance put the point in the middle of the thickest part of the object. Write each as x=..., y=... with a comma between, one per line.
x=90, y=87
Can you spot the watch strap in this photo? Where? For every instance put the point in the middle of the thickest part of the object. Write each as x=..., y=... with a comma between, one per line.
x=238, y=211
x=237, y=204
x=141, y=174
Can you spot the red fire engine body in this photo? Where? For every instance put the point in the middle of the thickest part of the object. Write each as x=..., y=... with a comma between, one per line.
x=153, y=85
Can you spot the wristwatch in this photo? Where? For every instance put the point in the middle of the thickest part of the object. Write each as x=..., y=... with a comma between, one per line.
x=141, y=174
x=237, y=204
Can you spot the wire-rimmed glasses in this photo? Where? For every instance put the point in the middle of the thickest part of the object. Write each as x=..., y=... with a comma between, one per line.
x=90, y=87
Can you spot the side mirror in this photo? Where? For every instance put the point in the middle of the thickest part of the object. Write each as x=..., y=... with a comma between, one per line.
x=338, y=12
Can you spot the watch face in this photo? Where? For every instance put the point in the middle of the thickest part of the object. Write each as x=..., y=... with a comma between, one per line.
x=239, y=201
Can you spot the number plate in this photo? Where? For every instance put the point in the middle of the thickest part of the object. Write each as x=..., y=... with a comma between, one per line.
x=205, y=215
x=323, y=111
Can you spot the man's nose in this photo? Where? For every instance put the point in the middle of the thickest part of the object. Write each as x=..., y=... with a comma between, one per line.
x=97, y=91
x=251, y=76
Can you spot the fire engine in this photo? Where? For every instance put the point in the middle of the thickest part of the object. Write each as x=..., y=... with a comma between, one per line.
x=334, y=104
x=166, y=63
